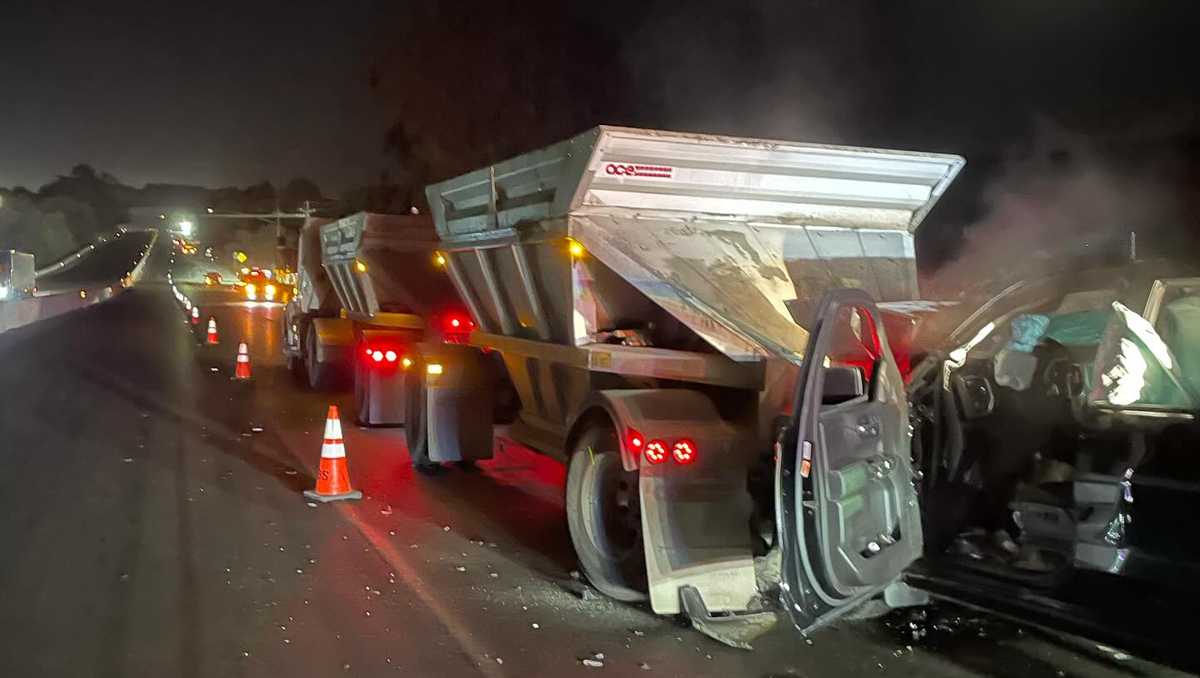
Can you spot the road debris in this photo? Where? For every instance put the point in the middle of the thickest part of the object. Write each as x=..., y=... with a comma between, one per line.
x=644, y=666
x=311, y=504
x=461, y=568
x=582, y=590
x=128, y=460
x=256, y=429
x=386, y=510
x=535, y=626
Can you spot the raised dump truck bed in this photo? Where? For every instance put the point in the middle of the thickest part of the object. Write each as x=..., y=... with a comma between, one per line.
x=368, y=296
x=645, y=293
x=382, y=264
x=720, y=233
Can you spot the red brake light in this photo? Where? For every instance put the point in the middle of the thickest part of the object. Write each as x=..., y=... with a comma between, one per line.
x=684, y=451
x=456, y=328
x=391, y=356
x=377, y=355
x=634, y=440
x=656, y=451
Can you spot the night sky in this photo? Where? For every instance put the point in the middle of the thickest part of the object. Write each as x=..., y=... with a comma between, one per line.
x=233, y=93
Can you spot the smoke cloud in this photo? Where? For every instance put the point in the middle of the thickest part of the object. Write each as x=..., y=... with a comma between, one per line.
x=1064, y=197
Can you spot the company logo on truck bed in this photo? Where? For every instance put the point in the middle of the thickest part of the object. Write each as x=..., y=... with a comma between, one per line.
x=623, y=169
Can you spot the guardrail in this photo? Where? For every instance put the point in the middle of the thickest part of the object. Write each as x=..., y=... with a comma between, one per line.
x=20, y=312
x=75, y=257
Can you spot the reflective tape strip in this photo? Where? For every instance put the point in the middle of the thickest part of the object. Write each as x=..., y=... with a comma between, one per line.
x=333, y=450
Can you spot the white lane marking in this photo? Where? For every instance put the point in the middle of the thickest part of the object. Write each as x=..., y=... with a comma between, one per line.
x=429, y=598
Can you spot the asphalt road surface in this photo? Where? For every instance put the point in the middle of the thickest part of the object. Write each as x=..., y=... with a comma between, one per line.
x=152, y=524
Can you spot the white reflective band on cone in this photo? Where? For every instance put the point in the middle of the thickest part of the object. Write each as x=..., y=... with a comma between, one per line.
x=333, y=429
x=335, y=450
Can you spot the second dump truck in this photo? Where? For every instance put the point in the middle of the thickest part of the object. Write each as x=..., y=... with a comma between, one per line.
x=368, y=289
x=653, y=300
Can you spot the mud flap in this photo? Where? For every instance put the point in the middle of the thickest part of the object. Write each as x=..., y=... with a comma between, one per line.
x=458, y=404
x=734, y=630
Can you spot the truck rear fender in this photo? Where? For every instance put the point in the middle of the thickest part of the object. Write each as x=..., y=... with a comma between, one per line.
x=695, y=515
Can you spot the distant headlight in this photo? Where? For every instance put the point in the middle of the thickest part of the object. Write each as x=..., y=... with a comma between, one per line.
x=251, y=291
x=269, y=292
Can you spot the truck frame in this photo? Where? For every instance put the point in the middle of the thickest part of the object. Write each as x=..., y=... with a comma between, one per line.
x=646, y=295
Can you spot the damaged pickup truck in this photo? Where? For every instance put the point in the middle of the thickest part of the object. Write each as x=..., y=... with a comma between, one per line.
x=1052, y=451
x=1054, y=442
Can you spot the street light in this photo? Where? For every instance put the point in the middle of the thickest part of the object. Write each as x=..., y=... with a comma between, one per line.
x=210, y=210
x=185, y=227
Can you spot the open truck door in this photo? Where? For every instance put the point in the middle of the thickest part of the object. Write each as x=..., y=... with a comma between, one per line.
x=846, y=509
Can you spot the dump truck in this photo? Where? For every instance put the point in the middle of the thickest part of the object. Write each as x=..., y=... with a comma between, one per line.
x=650, y=298
x=368, y=288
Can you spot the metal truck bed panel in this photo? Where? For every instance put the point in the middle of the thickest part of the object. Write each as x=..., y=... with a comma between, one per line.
x=384, y=263
x=727, y=235
x=610, y=168
x=315, y=294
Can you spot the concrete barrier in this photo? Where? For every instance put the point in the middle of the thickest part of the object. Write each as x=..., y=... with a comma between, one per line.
x=20, y=312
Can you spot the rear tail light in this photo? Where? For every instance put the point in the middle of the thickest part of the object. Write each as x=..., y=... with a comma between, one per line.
x=634, y=441
x=656, y=451
x=683, y=451
x=383, y=355
x=456, y=328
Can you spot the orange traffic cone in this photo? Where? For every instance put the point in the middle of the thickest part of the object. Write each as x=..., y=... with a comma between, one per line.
x=333, y=478
x=212, y=339
x=195, y=315
x=242, y=371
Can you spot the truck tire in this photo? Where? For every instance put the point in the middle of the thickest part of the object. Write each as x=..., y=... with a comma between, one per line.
x=604, y=516
x=295, y=362
x=295, y=365
x=321, y=376
x=362, y=396
x=416, y=426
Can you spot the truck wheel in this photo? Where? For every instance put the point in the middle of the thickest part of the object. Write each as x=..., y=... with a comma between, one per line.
x=604, y=516
x=416, y=428
x=362, y=396
x=321, y=376
x=295, y=365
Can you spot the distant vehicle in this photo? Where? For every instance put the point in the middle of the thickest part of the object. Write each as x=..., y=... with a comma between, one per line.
x=259, y=284
x=16, y=275
x=212, y=278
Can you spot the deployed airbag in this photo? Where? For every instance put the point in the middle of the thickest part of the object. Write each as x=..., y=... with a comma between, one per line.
x=1135, y=367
